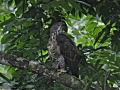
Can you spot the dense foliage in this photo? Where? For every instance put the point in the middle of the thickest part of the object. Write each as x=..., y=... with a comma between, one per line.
x=94, y=25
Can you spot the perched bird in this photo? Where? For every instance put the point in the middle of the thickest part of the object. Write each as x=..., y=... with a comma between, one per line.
x=63, y=50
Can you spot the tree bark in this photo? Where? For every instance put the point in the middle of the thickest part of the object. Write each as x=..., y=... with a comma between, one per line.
x=37, y=67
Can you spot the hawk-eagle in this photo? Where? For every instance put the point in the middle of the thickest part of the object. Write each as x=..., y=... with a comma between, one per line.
x=62, y=50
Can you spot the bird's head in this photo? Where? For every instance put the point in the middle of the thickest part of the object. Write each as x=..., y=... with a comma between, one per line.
x=57, y=27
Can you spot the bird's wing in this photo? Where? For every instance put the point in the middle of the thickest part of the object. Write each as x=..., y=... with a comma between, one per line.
x=69, y=52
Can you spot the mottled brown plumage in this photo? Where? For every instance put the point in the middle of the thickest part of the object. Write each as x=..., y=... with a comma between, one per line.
x=60, y=46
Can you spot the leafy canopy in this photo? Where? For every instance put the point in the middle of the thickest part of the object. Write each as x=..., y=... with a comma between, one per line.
x=92, y=24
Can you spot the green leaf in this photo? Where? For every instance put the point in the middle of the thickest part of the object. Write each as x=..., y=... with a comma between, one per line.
x=45, y=0
x=98, y=36
x=5, y=38
x=106, y=30
x=33, y=40
x=10, y=3
x=21, y=38
x=4, y=77
x=84, y=3
x=91, y=26
x=89, y=17
x=77, y=15
x=94, y=78
x=20, y=45
x=55, y=4
x=97, y=63
x=92, y=20
x=8, y=26
x=19, y=10
x=28, y=45
x=74, y=4
x=3, y=12
x=5, y=1
x=80, y=40
x=11, y=70
x=23, y=21
x=1, y=2
x=64, y=5
x=6, y=22
x=105, y=37
x=69, y=22
x=25, y=53
x=46, y=6
x=76, y=32
x=17, y=2
x=30, y=54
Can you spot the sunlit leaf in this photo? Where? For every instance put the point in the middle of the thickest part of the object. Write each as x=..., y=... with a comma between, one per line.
x=91, y=26
x=75, y=32
x=4, y=77
x=11, y=70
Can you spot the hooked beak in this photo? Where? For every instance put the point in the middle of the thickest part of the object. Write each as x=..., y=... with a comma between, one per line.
x=61, y=26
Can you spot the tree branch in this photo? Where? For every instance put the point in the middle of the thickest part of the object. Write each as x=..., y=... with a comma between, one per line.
x=37, y=67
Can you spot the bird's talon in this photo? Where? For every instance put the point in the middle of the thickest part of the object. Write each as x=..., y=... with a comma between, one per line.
x=61, y=70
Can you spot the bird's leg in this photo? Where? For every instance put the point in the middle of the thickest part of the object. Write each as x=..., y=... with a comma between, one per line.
x=61, y=64
x=55, y=64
